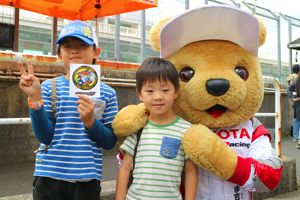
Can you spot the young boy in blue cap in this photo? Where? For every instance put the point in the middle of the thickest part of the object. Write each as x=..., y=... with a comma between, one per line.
x=71, y=166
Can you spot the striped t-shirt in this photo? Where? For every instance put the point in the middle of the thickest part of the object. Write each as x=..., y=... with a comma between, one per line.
x=73, y=153
x=159, y=161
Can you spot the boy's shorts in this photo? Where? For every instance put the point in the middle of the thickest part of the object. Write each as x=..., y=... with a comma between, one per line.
x=54, y=189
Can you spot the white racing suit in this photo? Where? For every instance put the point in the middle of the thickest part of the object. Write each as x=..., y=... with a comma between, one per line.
x=258, y=168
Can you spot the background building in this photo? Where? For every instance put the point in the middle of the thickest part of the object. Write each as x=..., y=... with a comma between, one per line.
x=35, y=33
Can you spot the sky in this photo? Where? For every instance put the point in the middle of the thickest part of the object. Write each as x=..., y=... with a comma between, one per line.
x=288, y=7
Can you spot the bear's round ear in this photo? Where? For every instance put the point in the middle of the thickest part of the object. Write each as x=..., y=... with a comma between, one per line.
x=262, y=32
x=155, y=32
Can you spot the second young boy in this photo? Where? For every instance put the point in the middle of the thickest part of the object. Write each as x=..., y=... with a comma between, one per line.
x=160, y=157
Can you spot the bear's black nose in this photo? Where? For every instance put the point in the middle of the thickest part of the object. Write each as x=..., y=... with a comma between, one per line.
x=217, y=87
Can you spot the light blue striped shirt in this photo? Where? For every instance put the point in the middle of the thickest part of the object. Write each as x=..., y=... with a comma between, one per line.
x=75, y=153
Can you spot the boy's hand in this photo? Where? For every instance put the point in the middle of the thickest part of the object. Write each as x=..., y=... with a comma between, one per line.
x=86, y=110
x=29, y=83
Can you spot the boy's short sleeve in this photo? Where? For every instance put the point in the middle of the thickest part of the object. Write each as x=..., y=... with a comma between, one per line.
x=129, y=144
x=186, y=157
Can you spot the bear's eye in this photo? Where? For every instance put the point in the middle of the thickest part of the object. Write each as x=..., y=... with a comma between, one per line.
x=242, y=72
x=186, y=74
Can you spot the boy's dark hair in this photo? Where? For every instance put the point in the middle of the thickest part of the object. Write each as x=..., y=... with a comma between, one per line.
x=296, y=68
x=156, y=68
x=73, y=38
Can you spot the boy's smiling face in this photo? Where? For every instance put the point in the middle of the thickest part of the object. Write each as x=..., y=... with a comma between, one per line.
x=158, y=97
x=76, y=51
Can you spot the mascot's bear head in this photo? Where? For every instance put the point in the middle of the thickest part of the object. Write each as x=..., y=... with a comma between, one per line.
x=215, y=51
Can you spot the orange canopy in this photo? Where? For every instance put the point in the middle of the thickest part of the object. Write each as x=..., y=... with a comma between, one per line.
x=80, y=9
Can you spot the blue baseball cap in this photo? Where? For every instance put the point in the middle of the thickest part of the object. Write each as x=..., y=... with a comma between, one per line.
x=79, y=30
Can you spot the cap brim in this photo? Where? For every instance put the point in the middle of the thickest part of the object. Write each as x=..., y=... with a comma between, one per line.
x=89, y=42
x=215, y=22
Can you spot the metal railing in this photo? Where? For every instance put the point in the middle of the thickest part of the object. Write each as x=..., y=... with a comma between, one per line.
x=6, y=121
x=277, y=113
x=131, y=83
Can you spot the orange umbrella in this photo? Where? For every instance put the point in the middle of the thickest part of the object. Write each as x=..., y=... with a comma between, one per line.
x=80, y=9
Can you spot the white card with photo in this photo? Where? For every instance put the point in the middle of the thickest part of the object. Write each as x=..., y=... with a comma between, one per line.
x=85, y=80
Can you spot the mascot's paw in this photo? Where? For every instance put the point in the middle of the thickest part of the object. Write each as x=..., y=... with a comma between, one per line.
x=208, y=151
x=128, y=121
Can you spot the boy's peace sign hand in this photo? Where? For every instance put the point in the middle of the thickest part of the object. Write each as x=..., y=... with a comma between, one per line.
x=29, y=83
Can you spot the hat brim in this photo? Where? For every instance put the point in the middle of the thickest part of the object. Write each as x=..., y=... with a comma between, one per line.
x=217, y=22
x=88, y=41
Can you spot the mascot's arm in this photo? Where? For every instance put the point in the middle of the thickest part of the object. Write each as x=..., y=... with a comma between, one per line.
x=261, y=171
x=208, y=151
x=128, y=121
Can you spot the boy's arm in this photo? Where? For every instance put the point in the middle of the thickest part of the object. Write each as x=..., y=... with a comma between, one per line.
x=41, y=121
x=103, y=135
x=123, y=177
x=42, y=125
x=99, y=132
x=191, y=179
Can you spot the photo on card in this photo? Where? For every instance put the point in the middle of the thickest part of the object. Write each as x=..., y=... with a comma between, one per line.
x=85, y=80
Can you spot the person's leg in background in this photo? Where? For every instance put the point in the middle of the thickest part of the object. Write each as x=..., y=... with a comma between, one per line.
x=298, y=145
x=296, y=127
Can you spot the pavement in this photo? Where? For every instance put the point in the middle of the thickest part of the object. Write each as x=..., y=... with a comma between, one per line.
x=16, y=179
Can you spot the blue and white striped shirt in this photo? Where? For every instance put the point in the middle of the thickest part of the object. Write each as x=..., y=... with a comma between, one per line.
x=75, y=153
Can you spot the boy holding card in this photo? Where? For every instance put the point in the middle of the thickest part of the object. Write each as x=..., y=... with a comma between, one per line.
x=71, y=166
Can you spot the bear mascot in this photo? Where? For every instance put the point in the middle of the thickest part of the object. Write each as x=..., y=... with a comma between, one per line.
x=215, y=51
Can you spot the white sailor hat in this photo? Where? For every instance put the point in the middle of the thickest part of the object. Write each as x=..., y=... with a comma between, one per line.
x=214, y=22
